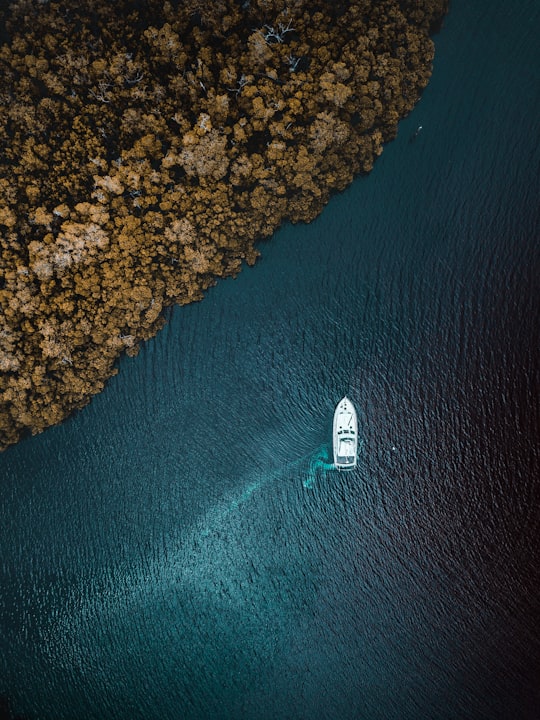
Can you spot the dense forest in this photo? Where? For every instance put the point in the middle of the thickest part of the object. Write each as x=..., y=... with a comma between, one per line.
x=147, y=146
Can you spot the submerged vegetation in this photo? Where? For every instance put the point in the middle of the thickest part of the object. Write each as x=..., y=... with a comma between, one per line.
x=146, y=146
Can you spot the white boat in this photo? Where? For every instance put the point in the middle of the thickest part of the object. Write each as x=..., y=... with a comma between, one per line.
x=345, y=435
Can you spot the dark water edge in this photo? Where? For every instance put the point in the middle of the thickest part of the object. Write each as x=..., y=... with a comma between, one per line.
x=162, y=556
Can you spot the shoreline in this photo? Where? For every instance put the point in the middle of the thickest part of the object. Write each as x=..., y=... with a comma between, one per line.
x=134, y=179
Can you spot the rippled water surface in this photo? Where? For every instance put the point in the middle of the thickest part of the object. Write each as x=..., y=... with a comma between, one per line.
x=182, y=549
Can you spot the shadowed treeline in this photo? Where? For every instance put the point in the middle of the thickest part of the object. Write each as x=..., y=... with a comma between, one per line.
x=146, y=147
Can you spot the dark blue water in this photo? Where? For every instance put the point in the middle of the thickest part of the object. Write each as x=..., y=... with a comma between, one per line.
x=181, y=550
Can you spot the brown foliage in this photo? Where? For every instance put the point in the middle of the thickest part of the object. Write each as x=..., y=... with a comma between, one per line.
x=139, y=165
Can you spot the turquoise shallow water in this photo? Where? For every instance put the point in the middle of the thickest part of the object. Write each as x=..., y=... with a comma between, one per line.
x=181, y=549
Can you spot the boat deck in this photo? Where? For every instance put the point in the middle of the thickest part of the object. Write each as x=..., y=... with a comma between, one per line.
x=345, y=435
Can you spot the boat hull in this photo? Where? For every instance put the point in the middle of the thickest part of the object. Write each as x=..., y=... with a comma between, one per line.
x=345, y=435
